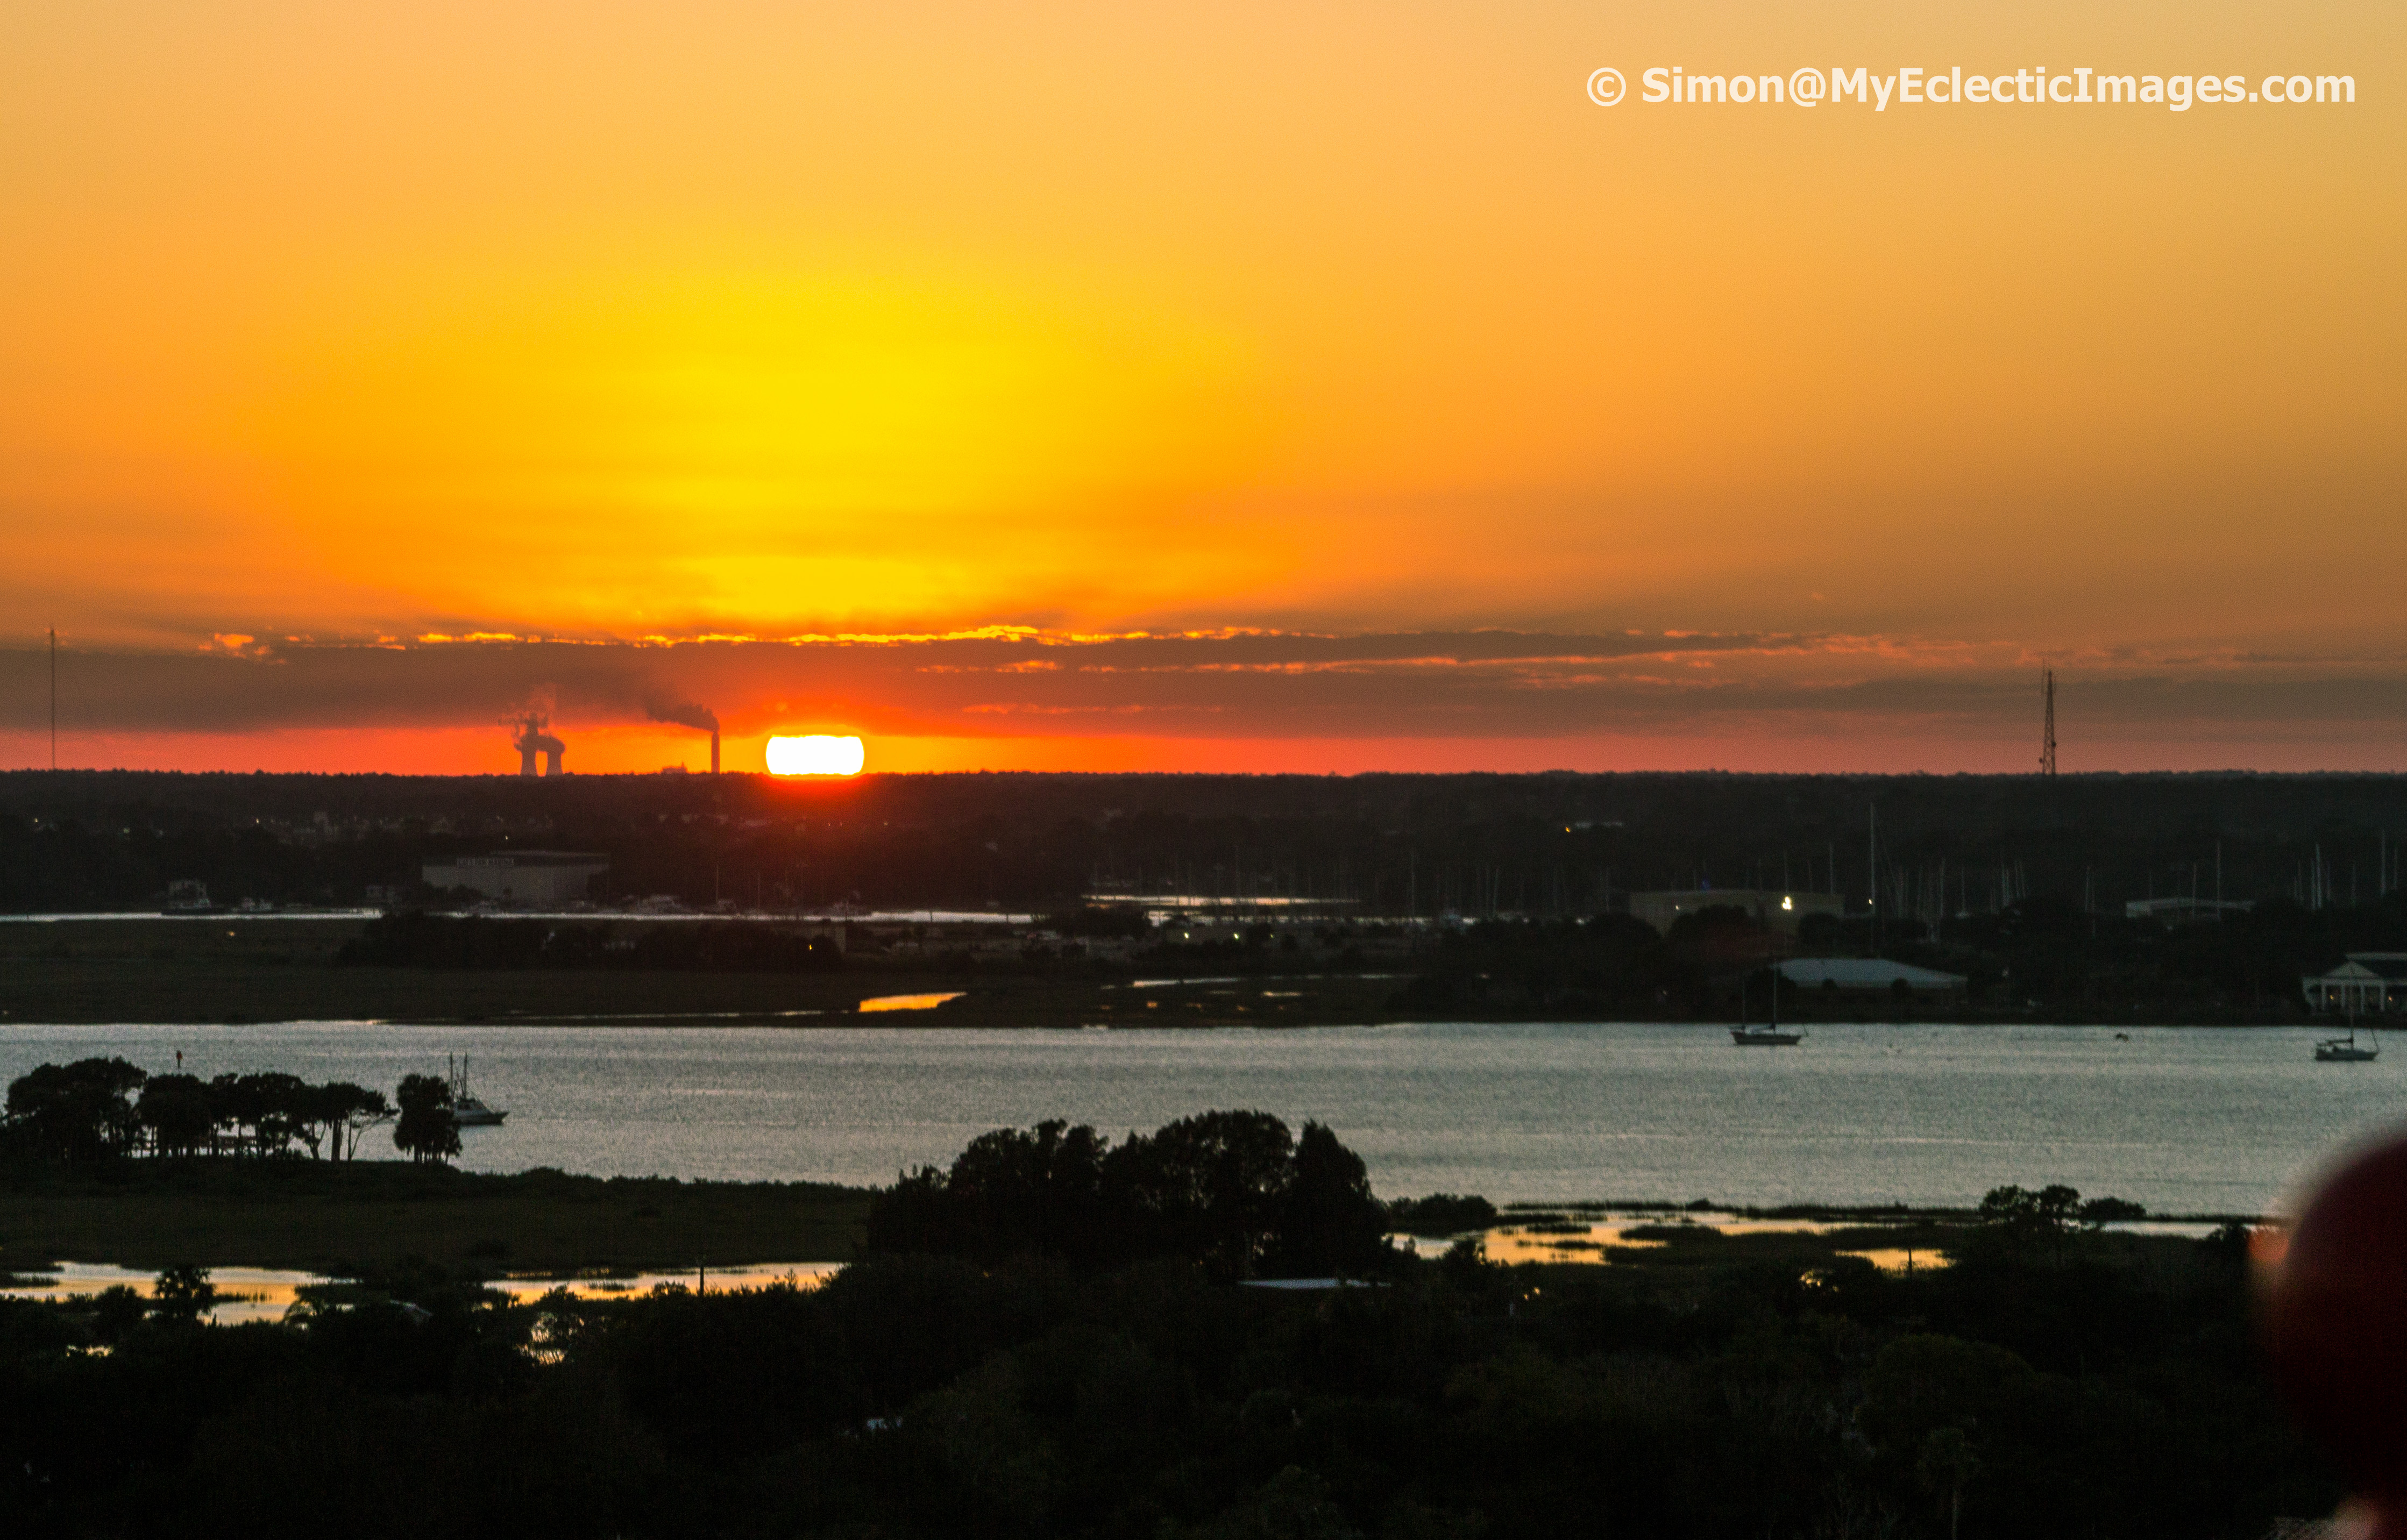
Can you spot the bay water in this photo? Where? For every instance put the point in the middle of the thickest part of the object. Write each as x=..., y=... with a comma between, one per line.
x=2184, y=1119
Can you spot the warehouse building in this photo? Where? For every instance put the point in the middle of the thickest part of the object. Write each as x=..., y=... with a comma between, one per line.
x=538, y=877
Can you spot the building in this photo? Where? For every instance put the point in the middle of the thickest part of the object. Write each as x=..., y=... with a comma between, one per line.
x=535, y=877
x=2186, y=912
x=1868, y=973
x=1780, y=910
x=2367, y=985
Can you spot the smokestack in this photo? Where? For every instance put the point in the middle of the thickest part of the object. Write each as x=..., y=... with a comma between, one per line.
x=685, y=713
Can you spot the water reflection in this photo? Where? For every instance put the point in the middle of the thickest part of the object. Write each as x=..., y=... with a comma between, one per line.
x=767, y=1274
x=1594, y=1236
x=1904, y=1259
x=266, y=1294
x=243, y=1294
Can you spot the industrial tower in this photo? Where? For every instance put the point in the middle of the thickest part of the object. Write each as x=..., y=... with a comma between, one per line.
x=2047, y=731
x=532, y=739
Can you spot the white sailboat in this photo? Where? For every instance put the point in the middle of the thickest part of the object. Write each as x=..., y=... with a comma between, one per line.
x=466, y=1110
x=1763, y=1037
x=2346, y=1049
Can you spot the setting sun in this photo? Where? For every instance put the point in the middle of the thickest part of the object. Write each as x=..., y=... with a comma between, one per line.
x=817, y=754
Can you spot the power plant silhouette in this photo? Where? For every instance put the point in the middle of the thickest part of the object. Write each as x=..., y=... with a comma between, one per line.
x=530, y=734
x=533, y=740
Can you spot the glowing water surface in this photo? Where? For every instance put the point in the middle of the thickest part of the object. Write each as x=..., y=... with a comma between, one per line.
x=243, y=1294
x=264, y=1293
x=2184, y=1119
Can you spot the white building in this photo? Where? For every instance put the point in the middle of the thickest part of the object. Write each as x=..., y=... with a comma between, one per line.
x=1863, y=973
x=540, y=877
x=2367, y=983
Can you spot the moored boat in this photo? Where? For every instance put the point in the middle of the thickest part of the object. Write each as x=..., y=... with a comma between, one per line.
x=466, y=1110
x=1770, y=1034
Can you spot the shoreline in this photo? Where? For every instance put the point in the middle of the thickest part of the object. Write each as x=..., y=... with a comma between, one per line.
x=245, y=971
x=811, y=1019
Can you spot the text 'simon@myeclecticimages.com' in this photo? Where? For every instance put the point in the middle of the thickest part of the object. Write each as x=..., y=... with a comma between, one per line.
x=2032, y=86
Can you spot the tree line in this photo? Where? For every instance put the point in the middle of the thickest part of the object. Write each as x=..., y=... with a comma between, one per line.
x=984, y=1371
x=1551, y=844
x=97, y=1111
x=1234, y=1192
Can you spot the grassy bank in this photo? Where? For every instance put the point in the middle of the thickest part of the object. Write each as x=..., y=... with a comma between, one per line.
x=332, y=1218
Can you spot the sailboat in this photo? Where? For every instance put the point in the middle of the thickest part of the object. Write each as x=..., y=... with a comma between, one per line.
x=466, y=1110
x=2346, y=1049
x=1763, y=1037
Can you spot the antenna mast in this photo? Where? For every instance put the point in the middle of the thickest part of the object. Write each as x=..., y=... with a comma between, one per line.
x=2048, y=733
x=54, y=698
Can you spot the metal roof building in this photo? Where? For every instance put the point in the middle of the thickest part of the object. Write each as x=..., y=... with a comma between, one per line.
x=1866, y=973
x=537, y=877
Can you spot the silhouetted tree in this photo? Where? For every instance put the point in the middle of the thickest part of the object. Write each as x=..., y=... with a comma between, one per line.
x=77, y=1113
x=2025, y=1219
x=1441, y=1214
x=427, y=1131
x=342, y=1111
x=268, y=1110
x=1328, y=1223
x=117, y=1310
x=180, y=1113
x=1231, y=1190
x=183, y=1293
x=1209, y=1187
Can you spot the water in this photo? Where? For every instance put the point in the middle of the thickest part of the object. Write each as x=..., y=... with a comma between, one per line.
x=266, y=1294
x=2184, y=1119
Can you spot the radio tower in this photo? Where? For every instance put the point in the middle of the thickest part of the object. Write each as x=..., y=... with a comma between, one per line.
x=2048, y=733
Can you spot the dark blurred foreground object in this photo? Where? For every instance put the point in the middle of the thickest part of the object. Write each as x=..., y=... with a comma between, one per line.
x=2335, y=1293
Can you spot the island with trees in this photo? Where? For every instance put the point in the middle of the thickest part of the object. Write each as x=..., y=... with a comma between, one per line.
x=1201, y=1333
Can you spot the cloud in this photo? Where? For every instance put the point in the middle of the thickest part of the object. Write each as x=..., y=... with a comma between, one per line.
x=1235, y=685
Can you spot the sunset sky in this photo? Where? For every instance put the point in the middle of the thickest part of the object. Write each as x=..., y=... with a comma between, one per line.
x=1250, y=386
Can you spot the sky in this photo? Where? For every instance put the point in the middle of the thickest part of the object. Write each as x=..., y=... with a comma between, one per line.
x=1277, y=387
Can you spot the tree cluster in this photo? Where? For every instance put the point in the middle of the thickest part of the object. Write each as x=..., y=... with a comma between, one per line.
x=1234, y=1192
x=1441, y=1214
x=100, y=1110
x=2046, y=1218
x=2112, y=1394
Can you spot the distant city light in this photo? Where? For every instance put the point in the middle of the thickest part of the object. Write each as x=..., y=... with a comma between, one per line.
x=817, y=754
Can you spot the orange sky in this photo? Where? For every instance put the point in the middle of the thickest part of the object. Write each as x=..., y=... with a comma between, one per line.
x=332, y=327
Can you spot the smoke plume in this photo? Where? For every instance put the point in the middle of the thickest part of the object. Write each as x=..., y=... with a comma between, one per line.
x=685, y=713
